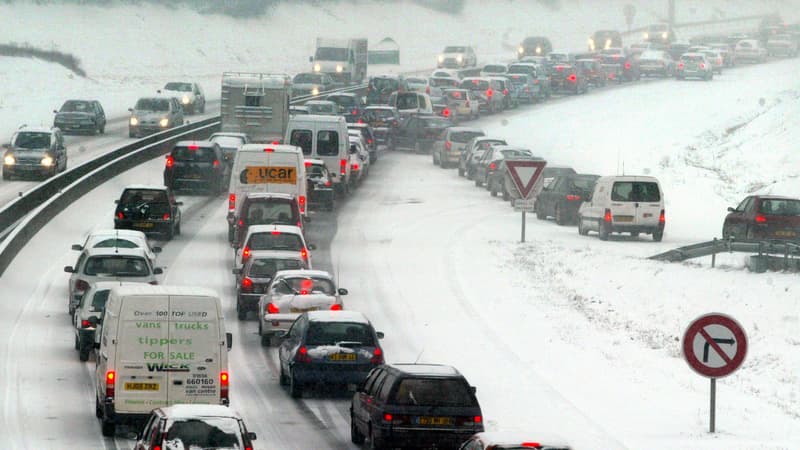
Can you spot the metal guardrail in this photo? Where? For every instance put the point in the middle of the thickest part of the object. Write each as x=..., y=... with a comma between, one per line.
x=785, y=249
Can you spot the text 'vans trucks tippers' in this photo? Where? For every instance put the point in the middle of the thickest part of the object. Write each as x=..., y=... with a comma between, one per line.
x=345, y=60
x=256, y=104
x=160, y=345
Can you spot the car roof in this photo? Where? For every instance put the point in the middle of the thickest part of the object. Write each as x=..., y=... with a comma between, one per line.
x=204, y=144
x=227, y=133
x=304, y=273
x=426, y=369
x=475, y=78
x=342, y=94
x=122, y=251
x=111, y=232
x=268, y=195
x=692, y=54
x=252, y=229
x=357, y=125
x=279, y=148
x=546, y=439
x=319, y=102
x=35, y=128
x=461, y=129
x=316, y=162
x=161, y=289
x=194, y=410
x=151, y=187
x=337, y=316
x=629, y=178
x=277, y=254
x=391, y=108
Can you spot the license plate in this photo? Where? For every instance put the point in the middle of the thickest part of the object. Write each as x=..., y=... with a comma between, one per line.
x=302, y=310
x=379, y=124
x=192, y=176
x=434, y=420
x=144, y=225
x=785, y=233
x=623, y=218
x=269, y=174
x=141, y=386
x=343, y=357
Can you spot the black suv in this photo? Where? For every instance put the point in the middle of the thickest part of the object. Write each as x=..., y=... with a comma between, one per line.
x=149, y=209
x=78, y=116
x=37, y=151
x=197, y=165
x=419, y=405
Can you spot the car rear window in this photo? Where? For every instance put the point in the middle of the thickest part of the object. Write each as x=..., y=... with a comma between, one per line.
x=693, y=58
x=342, y=100
x=305, y=285
x=521, y=69
x=380, y=113
x=274, y=211
x=112, y=266
x=116, y=243
x=143, y=196
x=76, y=106
x=433, y=392
x=228, y=141
x=302, y=139
x=474, y=85
x=635, y=191
x=182, y=87
x=384, y=84
x=208, y=432
x=464, y=136
x=456, y=95
x=435, y=122
x=583, y=183
x=200, y=154
x=407, y=101
x=331, y=333
x=280, y=241
x=780, y=207
x=327, y=143
x=443, y=82
x=484, y=145
x=266, y=267
x=315, y=108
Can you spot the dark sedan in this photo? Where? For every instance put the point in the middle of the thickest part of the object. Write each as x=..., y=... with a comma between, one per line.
x=763, y=217
x=420, y=132
x=562, y=198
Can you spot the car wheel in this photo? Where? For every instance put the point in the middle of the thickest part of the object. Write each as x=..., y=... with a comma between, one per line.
x=103, y=128
x=266, y=339
x=726, y=233
x=178, y=229
x=295, y=388
x=560, y=218
x=283, y=380
x=435, y=161
x=109, y=429
x=506, y=195
x=581, y=230
x=374, y=443
x=84, y=352
x=478, y=182
x=355, y=436
x=603, y=232
x=492, y=190
x=98, y=410
x=540, y=213
x=241, y=314
x=460, y=171
x=170, y=233
x=77, y=343
x=658, y=235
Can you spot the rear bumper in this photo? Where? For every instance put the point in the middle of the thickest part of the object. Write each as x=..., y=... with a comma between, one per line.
x=423, y=437
x=278, y=322
x=190, y=183
x=451, y=157
x=631, y=228
x=68, y=128
x=248, y=302
x=139, y=225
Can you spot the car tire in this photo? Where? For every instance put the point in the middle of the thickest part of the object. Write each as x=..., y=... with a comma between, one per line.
x=374, y=443
x=109, y=429
x=492, y=190
x=295, y=388
x=83, y=353
x=658, y=235
x=559, y=216
x=266, y=340
x=170, y=233
x=178, y=229
x=460, y=171
x=356, y=437
x=603, y=232
x=478, y=182
x=581, y=230
x=506, y=195
x=98, y=410
x=283, y=380
x=540, y=213
x=77, y=343
x=241, y=314
x=103, y=128
x=435, y=161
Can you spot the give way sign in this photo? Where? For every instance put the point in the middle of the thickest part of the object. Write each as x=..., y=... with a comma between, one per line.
x=714, y=345
x=524, y=173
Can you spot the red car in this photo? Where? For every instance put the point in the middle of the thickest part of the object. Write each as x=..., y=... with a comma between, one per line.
x=763, y=217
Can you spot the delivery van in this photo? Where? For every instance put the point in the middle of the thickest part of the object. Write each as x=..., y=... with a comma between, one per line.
x=159, y=346
x=325, y=138
x=266, y=168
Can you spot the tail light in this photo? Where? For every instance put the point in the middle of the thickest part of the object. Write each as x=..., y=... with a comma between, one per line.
x=446, y=112
x=492, y=166
x=531, y=445
x=489, y=92
x=702, y=66
x=302, y=201
x=247, y=284
x=448, y=145
x=469, y=420
x=81, y=285
x=165, y=216
x=387, y=417
x=360, y=120
x=680, y=65
x=527, y=89
x=224, y=385
x=467, y=104
x=560, y=68
x=535, y=81
x=355, y=111
x=343, y=166
x=505, y=91
x=120, y=215
x=662, y=219
x=369, y=141
x=760, y=218
x=216, y=163
x=627, y=66
x=572, y=78
x=573, y=198
x=354, y=166
x=193, y=147
x=272, y=308
x=85, y=324
x=336, y=307
x=428, y=90
x=269, y=150
x=170, y=161
x=304, y=254
x=607, y=216
x=245, y=254
x=111, y=378
x=377, y=356
x=328, y=183
x=241, y=223
x=231, y=202
x=302, y=355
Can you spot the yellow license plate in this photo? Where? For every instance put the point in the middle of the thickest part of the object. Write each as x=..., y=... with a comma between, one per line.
x=302, y=310
x=785, y=233
x=144, y=225
x=270, y=174
x=623, y=218
x=343, y=357
x=141, y=386
x=435, y=420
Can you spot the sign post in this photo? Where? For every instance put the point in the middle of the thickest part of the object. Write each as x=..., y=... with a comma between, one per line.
x=525, y=173
x=714, y=345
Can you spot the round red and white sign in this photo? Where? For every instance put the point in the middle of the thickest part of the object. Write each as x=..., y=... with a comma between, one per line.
x=714, y=345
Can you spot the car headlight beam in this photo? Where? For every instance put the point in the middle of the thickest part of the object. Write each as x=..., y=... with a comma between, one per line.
x=47, y=161
x=664, y=35
x=317, y=68
x=339, y=68
x=315, y=91
x=9, y=160
x=185, y=100
x=441, y=58
x=134, y=121
x=164, y=122
x=460, y=58
x=520, y=50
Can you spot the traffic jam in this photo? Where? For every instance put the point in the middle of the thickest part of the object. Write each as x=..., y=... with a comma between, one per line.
x=160, y=352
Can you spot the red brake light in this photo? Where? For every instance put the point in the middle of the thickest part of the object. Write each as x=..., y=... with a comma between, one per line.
x=702, y=66
x=302, y=355
x=477, y=419
x=304, y=254
x=223, y=379
x=245, y=254
x=572, y=78
x=336, y=307
x=216, y=163
x=456, y=94
x=560, y=68
x=120, y=215
x=573, y=197
x=448, y=145
x=377, y=356
x=760, y=218
x=170, y=161
x=369, y=141
x=627, y=66
x=328, y=183
x=354, y=166
x=505, y=91
x=662, y=218
x=81, y=285
x=165, y=216
x=489, y=92
x=446, y=112
x=269, y=150
x=193, y=147
x=247, y=284
x=607, y=216
x=492, y=166
x=680, y=65
x=387, y=417
x=231, y=202
x=343, y=166
x=111, y=377
x=224, y=383
x=272, y=309
x=427, y=89
x=274, y=233
x=85, y=324
x=302, y=201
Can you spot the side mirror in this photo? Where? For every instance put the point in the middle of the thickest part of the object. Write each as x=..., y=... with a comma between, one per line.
x=79, y=247
x=251, y=435
x=380, y=334
x=158, y=271
x=473, y=389
x=312, y=247
x=55, y=111
x=731, y=209
x=280, y=334
x=343, y=291
x=236, y=271
x=97, y=345
x=179, y=203
x=229, y=340
x=130, y=109
x=156, y=249
x=310, y=59
x=69, y=269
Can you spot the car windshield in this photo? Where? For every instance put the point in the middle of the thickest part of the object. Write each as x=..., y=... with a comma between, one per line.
x=99, y=300
x=433, y=392
x=464, y=136
x=331, y=333
x=138, y=196
x=275, y=241
x=585, y=184
x=266, y=267
x=204, y=433
x=76, y=106
x=494, y=68
x=181, y=87
x=194, y=154
x=416, y=80
x=475, y=85
x=316, y=171
x=269, y=212
x=384, y=84
x=306, y=285
x=407, y=101
x=343, y=100
x=455, y=49
x=32, y=140
x=521, y=69
x=435, y=122
x=116, y=266
x=780, y=207
x=331, y=54
x=152, y=104
x=635, y=191
x=307, y=78
x=115, y=243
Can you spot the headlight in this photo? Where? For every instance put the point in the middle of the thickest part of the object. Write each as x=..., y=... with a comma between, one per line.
x=664, y=35
x=9, y=160
x=646, y=35
x=315, y=91
x=185, y=100
x=608, y=43
x=521, y=50
x=538, y=50
x=441, y=58
x=164, y=122
x=459, y=58
x=339, y=69
x=47, y=161
x=134, y=121
x=317, y=68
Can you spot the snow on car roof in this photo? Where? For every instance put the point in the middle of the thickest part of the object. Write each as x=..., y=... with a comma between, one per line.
x=281, y=148
x=110, y=232
x=292, y=229
x=517, y=437
x=270, y=195
x=151, y=187
x=337, y=316
x=277, y=254
x=426, y=369
x=464, y=129
x=137, y=251
x=150, y=289
x=188, y=411
x=303, y=273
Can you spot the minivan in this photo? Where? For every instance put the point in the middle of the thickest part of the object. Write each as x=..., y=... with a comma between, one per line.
x=325, y=138
x=624, y=204
x=159, y=345
x=411, y=102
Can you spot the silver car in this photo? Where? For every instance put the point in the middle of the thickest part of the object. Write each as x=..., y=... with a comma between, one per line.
x=86, y=320
x=190, y=95
x=154, y=114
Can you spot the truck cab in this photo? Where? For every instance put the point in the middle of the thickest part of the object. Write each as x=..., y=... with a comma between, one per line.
x=345, y=60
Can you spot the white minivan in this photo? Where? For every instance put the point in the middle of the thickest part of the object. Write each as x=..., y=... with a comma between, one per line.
x=325, y=138
x=268, y=168
x=159, y=345
x=624, y=204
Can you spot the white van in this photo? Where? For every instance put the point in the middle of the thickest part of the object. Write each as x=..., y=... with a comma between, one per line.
x=411, y=103
x=325, y=138
x=624, y=204
x=266, y=168
x=159, y=345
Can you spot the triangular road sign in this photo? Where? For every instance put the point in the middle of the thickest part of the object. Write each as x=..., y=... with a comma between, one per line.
x=524, y=174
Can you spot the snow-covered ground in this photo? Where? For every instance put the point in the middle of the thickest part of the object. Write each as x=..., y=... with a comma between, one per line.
x=564, y=333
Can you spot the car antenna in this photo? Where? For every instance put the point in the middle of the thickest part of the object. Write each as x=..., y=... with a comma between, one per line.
x=420, y=355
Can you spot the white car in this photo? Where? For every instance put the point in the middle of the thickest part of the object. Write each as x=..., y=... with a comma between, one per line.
x=418, y=84
x=108, y=264
x=624, y=204
x=782, y=45
x=291, y=293
x=750, y=50
x=359, y=159
x=457, y=56
x=230, y=143
x=110, y=238
x=273, y=237
x=86, y=320
x=190, y=96
x=715, y=58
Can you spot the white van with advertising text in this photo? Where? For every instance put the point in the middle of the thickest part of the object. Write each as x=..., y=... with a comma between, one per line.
x=159, y=346
x=325, y=138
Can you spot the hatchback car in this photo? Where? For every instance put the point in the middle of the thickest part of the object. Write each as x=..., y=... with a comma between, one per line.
x=454, y=140
x=384, y=120
x=420, y=132
x=311, y=83
x=620, y=64
x=485, y=90
x=541, y=78
x=87, y=318
x=715, y=58
x=154, y=114
x=550, y=172
x=330, y=347
x=473, y=151
x=437, y=86
x=80, y=116
x=763, y=217
x=197, y=165
x=254, y=277
x=265, y=208
x=593, y=71
x=272, y=237
x=109, y=238
x=694, y=65
x=461, y=104
x=419, y=405
x=189, y=94
x=563, y=196
x=291, y=293
x=320, y=185
x=149, y=209
x=34, y=151
x=568, y=78
x=194, y=426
